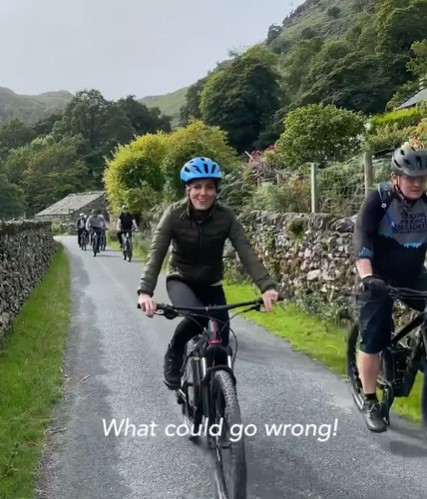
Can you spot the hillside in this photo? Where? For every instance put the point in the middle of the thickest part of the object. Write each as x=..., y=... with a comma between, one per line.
x=325, y=19
x=169, y=104
x=30, y=108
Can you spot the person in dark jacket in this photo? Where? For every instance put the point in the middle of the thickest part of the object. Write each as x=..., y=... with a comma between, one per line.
x=198, y=228
x=390, y=244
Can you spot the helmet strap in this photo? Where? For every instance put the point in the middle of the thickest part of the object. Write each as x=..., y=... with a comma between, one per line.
x=407, y=202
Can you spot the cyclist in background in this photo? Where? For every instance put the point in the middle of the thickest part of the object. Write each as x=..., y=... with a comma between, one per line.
x=125, y=223
x=103, y=229
x=81, y=228
x=94, y=224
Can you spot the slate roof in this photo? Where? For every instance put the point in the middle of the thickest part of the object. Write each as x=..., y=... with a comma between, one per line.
x=71, y=203
x=419, y=97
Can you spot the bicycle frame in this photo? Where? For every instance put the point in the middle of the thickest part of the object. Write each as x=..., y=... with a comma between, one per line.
x=402, y=363
x=207, y=356
x=399, y=363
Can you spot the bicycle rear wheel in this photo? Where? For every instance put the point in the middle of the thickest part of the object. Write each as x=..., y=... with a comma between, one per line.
x=230, y=451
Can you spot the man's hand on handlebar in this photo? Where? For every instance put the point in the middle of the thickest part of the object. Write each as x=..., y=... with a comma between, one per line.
x=148, y=305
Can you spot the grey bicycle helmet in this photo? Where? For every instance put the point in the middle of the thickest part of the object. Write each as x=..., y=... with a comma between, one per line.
x=410, y=161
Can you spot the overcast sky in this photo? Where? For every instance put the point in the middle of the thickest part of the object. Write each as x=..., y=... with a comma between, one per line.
x=121, y=47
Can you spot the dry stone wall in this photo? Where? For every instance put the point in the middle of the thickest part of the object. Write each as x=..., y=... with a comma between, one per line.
x=309, y=254
x=26, y=249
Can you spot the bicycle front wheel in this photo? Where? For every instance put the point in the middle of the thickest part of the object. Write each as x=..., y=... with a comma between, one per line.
x=352, y=370
x=230, y=446
x=95, y=245
x=129, y=250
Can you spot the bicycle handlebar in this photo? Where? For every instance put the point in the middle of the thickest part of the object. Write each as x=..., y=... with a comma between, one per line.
x=402, y=292
x=170, y=311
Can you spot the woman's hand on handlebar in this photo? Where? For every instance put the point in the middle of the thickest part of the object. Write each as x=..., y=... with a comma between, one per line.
x=148, y=305
x=270, y=297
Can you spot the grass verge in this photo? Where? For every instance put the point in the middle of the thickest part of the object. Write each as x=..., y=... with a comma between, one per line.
x=318, y=339
x=30, y=378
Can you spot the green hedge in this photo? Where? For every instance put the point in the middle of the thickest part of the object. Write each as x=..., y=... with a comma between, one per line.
x=402, y=118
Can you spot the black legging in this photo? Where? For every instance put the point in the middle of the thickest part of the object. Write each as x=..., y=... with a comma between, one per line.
x=182, y=294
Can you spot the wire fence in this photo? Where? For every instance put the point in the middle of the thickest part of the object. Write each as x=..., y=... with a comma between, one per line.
x=338, y=189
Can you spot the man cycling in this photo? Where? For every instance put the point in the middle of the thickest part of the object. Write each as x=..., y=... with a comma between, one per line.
x=94, y=224
x=103, y=237
x=390, y=243
x=198, y=228
x=81, y=228
x=125, y=223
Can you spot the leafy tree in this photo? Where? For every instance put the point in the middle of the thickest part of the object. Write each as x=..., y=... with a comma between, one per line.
x=142, y=119
x=418, y=64
x=15, y=134
x=11, y=199
x=295, y=64
x=242, y=98
x=308, y=33
x=54, y=171
x=355, y=82
x=399, y=24
x=319, y=133
x=362, y=36
x=134, y=176
x=44, y=126
x=273, y=32
x=85, y=115
x=197, y=139
x=334, y=12
x=191, y=108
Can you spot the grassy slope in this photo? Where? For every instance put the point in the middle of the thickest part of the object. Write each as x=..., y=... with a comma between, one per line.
x=314, y=15
x=169, y=104
x=30, y=379
x=30, y=108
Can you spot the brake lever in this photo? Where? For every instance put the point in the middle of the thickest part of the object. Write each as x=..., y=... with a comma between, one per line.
x=165, y=312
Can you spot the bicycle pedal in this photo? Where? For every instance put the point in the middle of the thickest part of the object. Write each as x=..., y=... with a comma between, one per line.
x=225, y=444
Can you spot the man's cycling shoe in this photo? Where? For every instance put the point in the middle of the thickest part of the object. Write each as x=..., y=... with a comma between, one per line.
x=372, y=414
x=172, y=369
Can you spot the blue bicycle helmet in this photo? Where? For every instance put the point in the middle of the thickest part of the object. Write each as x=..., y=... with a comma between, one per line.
x=198, y=168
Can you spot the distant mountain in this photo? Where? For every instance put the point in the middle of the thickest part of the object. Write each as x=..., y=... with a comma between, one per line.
x=169, y=104
x=30, y=108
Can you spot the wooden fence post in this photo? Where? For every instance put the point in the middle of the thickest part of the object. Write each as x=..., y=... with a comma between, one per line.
x=314, y=189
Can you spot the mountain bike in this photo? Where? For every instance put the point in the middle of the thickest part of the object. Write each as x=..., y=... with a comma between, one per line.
x=83, y=240
x=95, y=242
x=400, y=362
x=208, y=395
x=127, y=246
x=102, y=240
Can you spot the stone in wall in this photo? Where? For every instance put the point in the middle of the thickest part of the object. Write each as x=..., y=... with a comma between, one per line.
x=26, y=249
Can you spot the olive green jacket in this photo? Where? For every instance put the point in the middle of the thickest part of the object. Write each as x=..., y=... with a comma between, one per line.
x=197, y=248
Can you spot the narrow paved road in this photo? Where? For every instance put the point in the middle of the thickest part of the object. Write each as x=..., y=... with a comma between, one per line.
x=114, y=370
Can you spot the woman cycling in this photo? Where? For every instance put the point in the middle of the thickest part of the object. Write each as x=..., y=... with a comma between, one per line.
x=198, y=228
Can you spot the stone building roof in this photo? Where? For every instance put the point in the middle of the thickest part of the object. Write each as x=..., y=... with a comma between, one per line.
x=71, y=204
x=416, y=99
